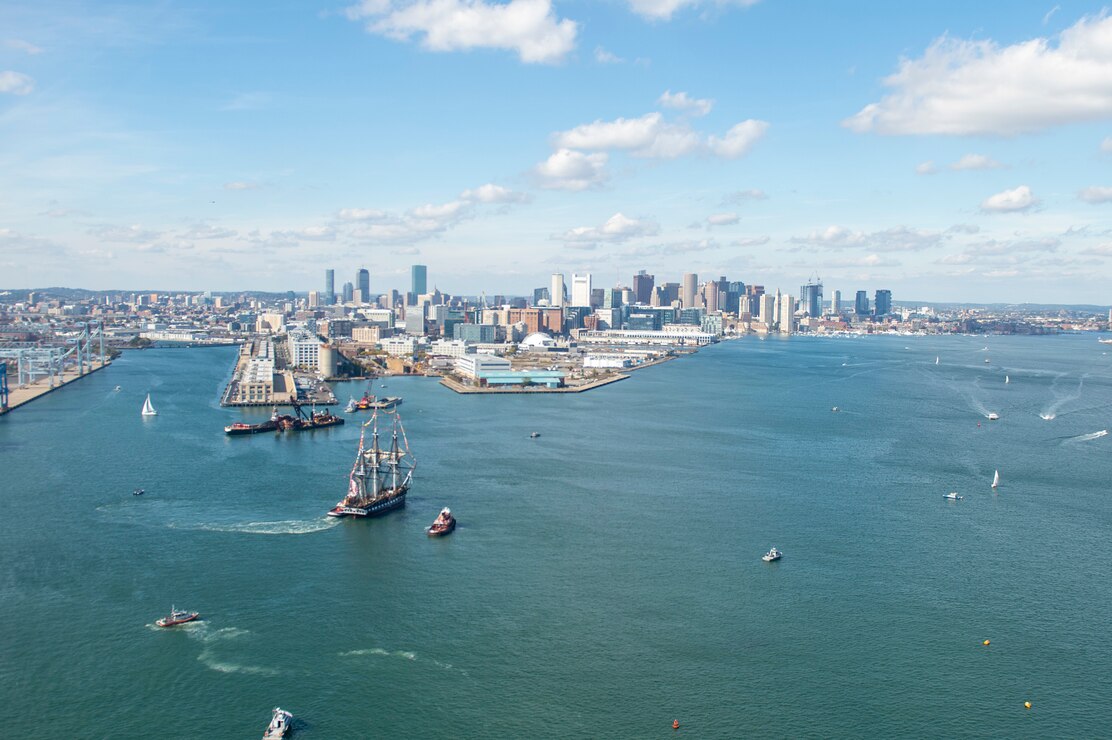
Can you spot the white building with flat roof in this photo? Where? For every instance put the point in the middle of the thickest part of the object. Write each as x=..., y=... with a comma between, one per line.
x=470, y=366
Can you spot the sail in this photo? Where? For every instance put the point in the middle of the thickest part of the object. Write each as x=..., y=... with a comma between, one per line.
x=148, y=409
x=996, y=479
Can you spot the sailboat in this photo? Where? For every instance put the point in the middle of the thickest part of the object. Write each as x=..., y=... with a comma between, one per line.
x=379, y=479
x=935, y=360
x=1007, y=379
x=148, y=409
x=996, y=479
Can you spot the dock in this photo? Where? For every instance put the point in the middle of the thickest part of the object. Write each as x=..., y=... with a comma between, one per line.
x=18, y=396
x=458, y=387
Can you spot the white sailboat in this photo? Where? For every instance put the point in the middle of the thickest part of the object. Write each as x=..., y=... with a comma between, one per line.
x=935, y=360
x=148, y=409
x=996, y=479
x=1007, y=379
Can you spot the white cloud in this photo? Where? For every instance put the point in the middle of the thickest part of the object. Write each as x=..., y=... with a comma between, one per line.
x=963, y=229
x=976, y=162
x=602, y=56
x=1016, y=199
x=16, y=83
x=568, y=169
x=205, y=231
x=360, y=214
x=664, y=9
x=1106, y=145
x=618, y=228
x=528, y=27
x=241, y=186
x=1100, y=250
x=723, y=219
x=1096, y=195
x=963, y=87
x=133, y=234
x=739, y=139
x=491, y=193
x=681, y=101
x=895, y=239
x=25, y=46
x=750, y=241
x=925, y=168
x=651, y=136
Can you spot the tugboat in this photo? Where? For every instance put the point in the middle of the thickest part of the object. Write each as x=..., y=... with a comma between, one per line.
x=443, y=525
x=279, y=724
x=177, y=617
x=379, y=479
x=373, y=403
x=772, y=555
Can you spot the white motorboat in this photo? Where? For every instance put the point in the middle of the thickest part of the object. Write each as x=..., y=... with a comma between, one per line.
x=351, y=405
x=279, y=724
x=772, y=555
x=952, y=495
x=993, y=416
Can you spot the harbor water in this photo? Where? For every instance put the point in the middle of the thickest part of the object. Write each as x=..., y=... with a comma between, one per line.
x=605, y=577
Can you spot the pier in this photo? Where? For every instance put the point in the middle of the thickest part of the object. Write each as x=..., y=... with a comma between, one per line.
x=31, y=370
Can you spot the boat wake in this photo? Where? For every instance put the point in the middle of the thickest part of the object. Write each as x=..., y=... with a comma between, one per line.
x=1086, y=437
x=210, y=639
x=1052, y=410
x=1047, y=416
x=292, y=526
x=407, y=655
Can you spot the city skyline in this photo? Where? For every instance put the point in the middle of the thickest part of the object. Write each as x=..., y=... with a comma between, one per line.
x=937, y=152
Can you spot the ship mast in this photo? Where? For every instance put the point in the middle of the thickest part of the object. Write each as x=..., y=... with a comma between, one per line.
x=375, y=453
x=394, y=457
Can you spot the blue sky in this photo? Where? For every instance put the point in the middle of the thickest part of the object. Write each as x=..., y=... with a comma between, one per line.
x=946, y=151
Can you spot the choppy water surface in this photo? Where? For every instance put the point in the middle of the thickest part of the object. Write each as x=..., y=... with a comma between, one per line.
x=605, y=577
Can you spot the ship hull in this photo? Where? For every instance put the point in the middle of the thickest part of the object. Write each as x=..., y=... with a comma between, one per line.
x=435, y=531
x=371, y=510
x=253, y=429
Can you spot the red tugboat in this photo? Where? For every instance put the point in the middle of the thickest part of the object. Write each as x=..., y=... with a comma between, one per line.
x=379, y=479
x=443, y=525
x=177, y=617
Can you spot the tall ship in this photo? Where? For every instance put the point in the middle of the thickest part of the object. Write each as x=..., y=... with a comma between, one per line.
x=380, y=478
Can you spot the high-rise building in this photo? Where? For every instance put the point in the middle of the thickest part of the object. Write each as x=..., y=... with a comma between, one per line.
x=358, y=296
x=314, y=299
x=349, y=292
x=612, y=298
x=861, y=303
x=556, y=292
x=767, y=304
x=581, y=289
x=810, y=298
x=883, y=304
x=540, y=294
x=836, y=303
x=687, y=292
x=419, y=280
x=710, y=296
x=787, y=313
x=329, y=287
x=363, y=282
x=643, y=287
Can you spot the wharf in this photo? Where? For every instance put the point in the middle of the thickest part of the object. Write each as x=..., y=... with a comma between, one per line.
x=458, y=387
x=18, y=396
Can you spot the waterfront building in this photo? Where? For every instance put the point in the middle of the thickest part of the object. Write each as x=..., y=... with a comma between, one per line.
x=787, y=313
x=363, y=284
x=418, y=280
x=303, y=348
x=606, y=361
x=669, y=335
x=557, y=292
x=453, y=348
x=329, y=287
x=581, y=289
x=810, y=298
x=883, y=303
x=767, y=304
x=861, y=303
x=687, y=295
x=643, y=287
x=469, y=366
x=399, y=346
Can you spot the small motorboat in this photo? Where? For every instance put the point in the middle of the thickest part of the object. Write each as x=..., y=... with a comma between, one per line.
x=138, y=492
x=443, y=525
x=177, y=616
x=117, y=389
x=534, y=435
x=993, y=416
x=834, y=409
x=279, y=724
x=772, y=555
x=952, y=496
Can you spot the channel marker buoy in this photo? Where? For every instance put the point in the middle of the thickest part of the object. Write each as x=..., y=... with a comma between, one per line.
x=1026, y=705
x=986, y=642
x=675, y=724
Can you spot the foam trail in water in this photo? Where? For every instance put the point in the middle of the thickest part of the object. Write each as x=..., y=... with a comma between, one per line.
x=284, y=527
x=1087, y=437
x=1051, y=411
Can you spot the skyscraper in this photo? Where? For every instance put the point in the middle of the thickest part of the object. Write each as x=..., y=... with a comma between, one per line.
x=787, y=313
x=349, y=292
x=861, y=303
x=687, y=294
x=363, y=282
x=810, y=298
x=329, y=287
x=581, y=289
x=710, y=296
x=883, y=304
x=767, y=304
x=556, y=291
x=419, y=280
x=643, y=287
x=836, y=303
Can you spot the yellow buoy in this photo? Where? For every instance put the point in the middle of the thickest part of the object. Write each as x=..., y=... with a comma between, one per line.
x=986, y=642
x=1027, y=704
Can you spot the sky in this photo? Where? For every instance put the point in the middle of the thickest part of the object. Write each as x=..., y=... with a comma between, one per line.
x=947, y=151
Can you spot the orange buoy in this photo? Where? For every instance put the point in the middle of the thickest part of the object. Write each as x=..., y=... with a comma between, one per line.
x=1026, y=705
x=986, y=642
x=675, y=724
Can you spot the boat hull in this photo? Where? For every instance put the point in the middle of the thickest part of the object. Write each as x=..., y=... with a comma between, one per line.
x=164, y=622
x=372, y=510
x=435, y=531
x=234, y=431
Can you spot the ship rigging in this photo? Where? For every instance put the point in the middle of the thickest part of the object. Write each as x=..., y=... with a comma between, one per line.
x=379, y=479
